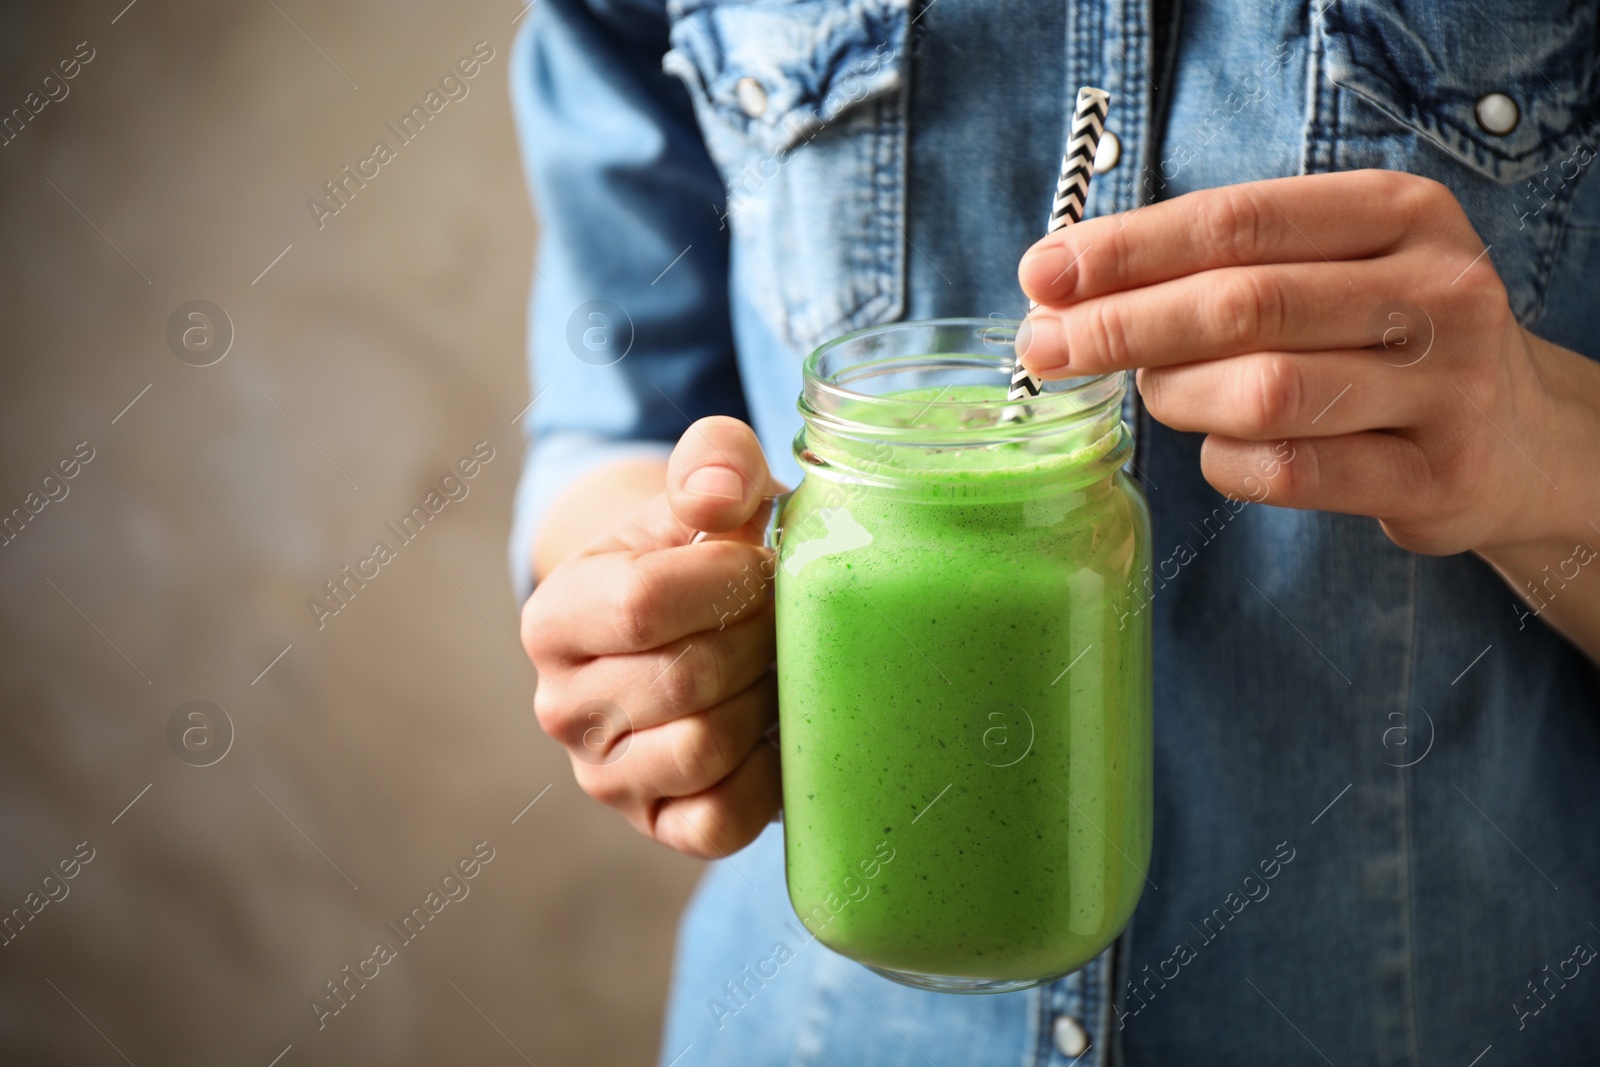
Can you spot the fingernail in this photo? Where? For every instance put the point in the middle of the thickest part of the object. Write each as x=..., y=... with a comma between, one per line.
x=1049, y=270
x=720, y=483
x=1038, y=344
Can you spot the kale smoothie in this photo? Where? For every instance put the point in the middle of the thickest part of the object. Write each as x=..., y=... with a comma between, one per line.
x=964, y=694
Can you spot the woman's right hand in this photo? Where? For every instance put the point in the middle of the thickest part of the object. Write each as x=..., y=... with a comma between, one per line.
x=655, y=652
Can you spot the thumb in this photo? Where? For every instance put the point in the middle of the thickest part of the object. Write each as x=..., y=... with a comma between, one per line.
x=717, y=476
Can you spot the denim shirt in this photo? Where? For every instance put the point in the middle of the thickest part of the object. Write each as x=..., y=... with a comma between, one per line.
x=1377, y=773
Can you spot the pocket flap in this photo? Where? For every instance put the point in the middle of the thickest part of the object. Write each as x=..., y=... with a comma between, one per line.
x=1427, y=64
x=779, y=70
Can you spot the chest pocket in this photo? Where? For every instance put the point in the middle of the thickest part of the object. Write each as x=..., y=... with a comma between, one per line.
x=802, y=105
x=1499, y=98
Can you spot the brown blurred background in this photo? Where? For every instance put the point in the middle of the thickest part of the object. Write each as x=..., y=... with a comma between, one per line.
x=371, y=755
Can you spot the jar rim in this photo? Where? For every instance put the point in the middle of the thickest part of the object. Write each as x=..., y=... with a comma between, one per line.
x=1065, y=403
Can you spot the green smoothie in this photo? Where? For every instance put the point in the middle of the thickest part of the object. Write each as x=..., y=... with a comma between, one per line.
x=965, y=711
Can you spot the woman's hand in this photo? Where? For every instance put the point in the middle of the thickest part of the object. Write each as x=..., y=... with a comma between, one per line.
x=655, y=652
x=1357, y=317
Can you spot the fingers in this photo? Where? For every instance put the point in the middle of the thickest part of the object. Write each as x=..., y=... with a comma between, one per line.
x=725, y=818
x=654, y=647
x=683, y=757
x=1268, y=396
x=1380, y=474
x=717, y=476
x=621, y=602
x=1312, y=218
x=666, y=683
x=1294, y=307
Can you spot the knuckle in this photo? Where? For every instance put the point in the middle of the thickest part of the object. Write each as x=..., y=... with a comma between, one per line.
x=1232, y=223
x=602, y=783
x=1450, y=473
x=1297, y=479
x=1436, y=490
x=635, y=612
x=1390, y=186
x=684, y=685
x=709, y=674
x=1415, y=192
x=1217, y=219
x=712, y=832
x=1152, y=386
x=1419, y=203
x=1481, y=386
x=1106, y=336
x=1277, y=397
x=1105, y=269
x=699, y=758
x=552, y=713
x=536, y=627
x=1249, y=308
x=1120, y=253
x=1482, y=295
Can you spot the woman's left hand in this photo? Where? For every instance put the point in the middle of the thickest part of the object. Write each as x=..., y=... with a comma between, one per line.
x=1356, y=316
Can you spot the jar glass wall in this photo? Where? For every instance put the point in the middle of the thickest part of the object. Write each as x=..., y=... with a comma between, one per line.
x=963, y=671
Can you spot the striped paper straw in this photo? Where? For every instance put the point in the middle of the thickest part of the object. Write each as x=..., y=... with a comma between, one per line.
x=1077, y=167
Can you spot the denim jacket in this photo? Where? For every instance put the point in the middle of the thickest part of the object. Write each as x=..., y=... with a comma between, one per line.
x=1377, y=773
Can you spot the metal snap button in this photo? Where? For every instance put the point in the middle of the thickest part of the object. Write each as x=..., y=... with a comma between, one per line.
x=1069, y=1035
x=751, y=96
x=1498, y=114
x=1109, y=152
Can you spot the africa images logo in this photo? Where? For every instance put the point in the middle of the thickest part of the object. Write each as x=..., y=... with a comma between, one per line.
x=453, y=85
x=342, y=588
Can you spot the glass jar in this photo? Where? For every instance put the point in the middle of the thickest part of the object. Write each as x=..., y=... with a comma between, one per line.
x=963, y=665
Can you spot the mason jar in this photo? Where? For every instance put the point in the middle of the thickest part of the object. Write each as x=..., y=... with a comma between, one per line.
x=963, y=662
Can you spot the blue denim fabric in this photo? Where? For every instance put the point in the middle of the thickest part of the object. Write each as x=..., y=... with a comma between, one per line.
x=1373, y=769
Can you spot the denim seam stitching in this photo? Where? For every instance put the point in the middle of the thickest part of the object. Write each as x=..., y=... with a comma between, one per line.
x=1138, y=63
x=1557, y=229
x=896, y=137
x=1081, y=31
x=1335, y=101
x=1129, y=33
x=1317, y=154
x=1159, y=116
x=875, y=286
x=1102, y=1006
x=1087, y=1013
x=1038, y=1006
x=1405, y=822
x=881, y=181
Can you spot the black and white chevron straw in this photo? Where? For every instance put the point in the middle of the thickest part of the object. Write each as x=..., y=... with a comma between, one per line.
x=1077, y=167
